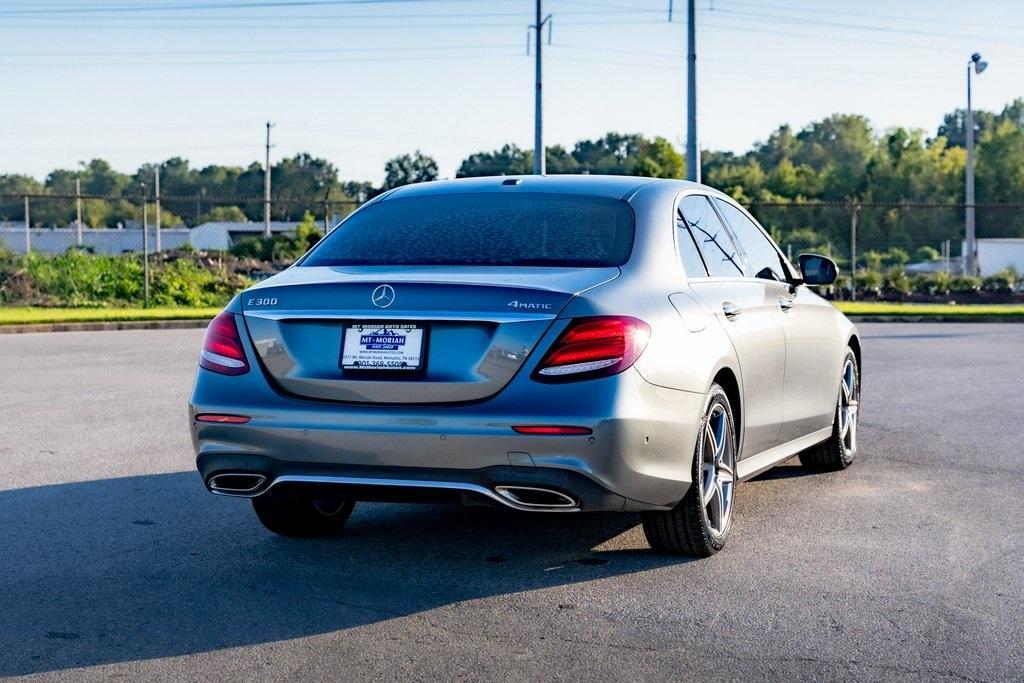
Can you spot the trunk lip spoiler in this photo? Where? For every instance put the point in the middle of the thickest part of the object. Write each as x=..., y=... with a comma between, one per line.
x=438, y=316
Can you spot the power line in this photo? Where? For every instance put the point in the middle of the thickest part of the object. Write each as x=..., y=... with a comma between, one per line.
x=261, y=51
x=839, y=24
x=264, y=62
x=760, y=30
x=745, y=62
x=818, y=11
x=188, y=7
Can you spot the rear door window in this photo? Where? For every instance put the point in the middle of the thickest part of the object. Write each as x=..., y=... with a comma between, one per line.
x=763, y=259
x=689, y=255
x=712, y=238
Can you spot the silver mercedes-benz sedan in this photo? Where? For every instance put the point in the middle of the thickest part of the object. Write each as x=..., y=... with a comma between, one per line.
x=542, y=344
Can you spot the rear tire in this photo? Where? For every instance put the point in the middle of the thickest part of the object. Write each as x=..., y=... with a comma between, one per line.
x=839, y=450
x=699, y=524
x=302, y=514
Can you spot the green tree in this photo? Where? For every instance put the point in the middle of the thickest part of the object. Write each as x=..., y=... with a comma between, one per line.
x=1000, y=167
x=509, y=160
x=224, y=214
x=409, y=168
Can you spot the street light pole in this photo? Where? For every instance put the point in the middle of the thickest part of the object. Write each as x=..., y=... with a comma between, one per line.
x=970, y=257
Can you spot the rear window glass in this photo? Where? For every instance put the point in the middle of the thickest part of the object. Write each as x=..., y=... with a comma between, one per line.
x=520, y=229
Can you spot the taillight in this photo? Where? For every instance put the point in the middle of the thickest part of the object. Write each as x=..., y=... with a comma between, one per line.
x=552, y=430
x=219, y=418
x=594, y=347
x=222, y=347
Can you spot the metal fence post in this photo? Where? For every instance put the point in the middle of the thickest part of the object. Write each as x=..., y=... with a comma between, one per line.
x=854, y=212
x=78, y=211
x=156, y=188
x=145, y=250
x=28, y=229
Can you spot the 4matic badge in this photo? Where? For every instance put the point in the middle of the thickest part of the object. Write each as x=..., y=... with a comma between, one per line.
x=530, y=306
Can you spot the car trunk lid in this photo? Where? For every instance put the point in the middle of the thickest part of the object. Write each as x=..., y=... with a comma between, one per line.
x=476, y=327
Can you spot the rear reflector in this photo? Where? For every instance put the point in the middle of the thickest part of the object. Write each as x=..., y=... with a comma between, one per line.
x=594, y=347
x=222, y=419
x=551, y=429
x=222, y=347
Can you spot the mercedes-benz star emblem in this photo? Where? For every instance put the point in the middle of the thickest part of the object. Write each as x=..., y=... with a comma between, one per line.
x=383, y=296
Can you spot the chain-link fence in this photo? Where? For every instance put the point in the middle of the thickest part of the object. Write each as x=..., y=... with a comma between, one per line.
x=881, y=248
x=883, y=234
x=901, y=250
x=113, y=224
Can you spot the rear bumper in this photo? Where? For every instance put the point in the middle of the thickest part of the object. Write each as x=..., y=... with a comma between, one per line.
x=494, y=486
x=638, y=456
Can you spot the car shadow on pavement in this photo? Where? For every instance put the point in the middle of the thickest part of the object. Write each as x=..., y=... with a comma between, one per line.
x=786, y=470
x=153, y=566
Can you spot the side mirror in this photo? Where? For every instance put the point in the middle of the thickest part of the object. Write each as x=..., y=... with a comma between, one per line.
x=817, y=269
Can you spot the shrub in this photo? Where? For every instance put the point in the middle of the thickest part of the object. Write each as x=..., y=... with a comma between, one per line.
x=1003, y=281
x=253, y=247
x=965, y=284
x=869, y=281
x=872, y=259
x=185, y=283
x=896, y=256
x=282, y=246
x=926, y=254
x=77, y=278
x=896, y=281
x=931, y=283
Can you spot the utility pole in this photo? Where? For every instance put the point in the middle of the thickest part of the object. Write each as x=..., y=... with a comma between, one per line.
x=266, y=187
x=78, y=211
x=156, y=187
x=971, y=256
x=28, y=229
x=692, y=150
x=539, y=160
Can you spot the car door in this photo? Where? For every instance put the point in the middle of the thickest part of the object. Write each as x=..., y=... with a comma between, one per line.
x=750, y=315
x=808, y=396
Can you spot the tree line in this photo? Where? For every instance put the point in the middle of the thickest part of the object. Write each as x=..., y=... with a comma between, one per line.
x=839, y=158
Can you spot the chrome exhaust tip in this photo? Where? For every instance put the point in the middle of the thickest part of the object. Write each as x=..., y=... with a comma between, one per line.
x=533, y=498
x=242, y=484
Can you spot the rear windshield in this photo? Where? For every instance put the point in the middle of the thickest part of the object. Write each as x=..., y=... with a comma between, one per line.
x=520, y=229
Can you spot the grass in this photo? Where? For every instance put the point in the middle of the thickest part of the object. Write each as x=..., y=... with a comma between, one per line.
x=32, y=315
x=965, y=311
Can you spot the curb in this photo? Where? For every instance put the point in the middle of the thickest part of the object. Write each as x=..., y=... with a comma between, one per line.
x=100, y=326
x=936, y=318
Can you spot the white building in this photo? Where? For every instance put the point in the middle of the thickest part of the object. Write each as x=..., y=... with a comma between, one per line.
x=995, y=254
x=222, y=235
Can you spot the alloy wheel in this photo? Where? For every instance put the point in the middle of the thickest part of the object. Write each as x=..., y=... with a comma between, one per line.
x=718, y=470
x=849, y=402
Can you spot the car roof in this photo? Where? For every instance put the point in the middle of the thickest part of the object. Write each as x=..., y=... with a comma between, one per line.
x=612, y=186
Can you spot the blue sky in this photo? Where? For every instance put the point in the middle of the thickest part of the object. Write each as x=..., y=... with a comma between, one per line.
x=359, y=81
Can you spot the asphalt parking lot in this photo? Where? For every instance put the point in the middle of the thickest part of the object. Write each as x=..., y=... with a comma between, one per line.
x=115, y=561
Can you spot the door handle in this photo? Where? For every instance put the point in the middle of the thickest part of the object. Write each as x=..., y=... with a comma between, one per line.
x=785, y=304
x=730, y=309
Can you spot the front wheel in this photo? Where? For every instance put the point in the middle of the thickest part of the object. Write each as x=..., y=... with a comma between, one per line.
x=297, y=513
x=699, y=525
x=838, y=452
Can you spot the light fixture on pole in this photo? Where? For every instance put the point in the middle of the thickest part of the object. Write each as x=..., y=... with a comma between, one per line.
x=970, y=256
